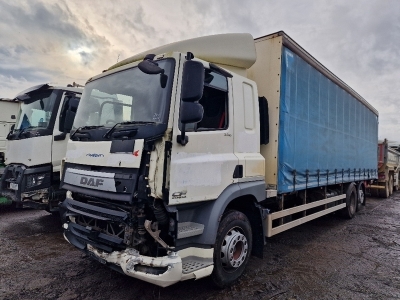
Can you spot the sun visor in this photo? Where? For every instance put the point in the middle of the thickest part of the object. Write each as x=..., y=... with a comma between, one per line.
x=25, y=95
x=232, y=49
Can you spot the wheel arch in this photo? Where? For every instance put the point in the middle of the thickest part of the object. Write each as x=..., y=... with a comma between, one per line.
x=243, y=197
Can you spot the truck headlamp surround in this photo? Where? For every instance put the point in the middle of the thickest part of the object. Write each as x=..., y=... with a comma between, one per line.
x=35, y=179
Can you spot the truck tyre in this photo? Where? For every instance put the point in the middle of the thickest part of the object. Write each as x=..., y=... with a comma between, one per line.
x=232, y=248
x=384, y=193
x=390, y=184
x=361, y=199
x=351, y=202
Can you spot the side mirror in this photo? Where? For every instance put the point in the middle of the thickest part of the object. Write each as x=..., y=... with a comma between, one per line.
x=11, y=131
x=192, y=81
x=70, y=113
x=191, y=92
x=69, y=120
x=191, y=112
x=149, y=67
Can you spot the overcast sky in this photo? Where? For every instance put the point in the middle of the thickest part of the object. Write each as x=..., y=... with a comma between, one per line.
x=63, y=41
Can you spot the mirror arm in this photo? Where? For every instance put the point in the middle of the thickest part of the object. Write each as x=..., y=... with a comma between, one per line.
x=182, y=139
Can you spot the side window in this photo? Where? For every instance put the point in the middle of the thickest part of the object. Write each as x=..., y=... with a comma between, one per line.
x=214, y=102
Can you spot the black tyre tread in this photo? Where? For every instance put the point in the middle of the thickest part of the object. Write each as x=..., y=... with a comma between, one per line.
x=360, y=186
x=384, y=193
x=346, y=212
x=230, y=219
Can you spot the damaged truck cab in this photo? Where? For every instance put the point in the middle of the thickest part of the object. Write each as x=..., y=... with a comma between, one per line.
x=36, y=145
x=172, y=167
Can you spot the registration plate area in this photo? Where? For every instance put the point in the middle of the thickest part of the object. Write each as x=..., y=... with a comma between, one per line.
x=13, y=186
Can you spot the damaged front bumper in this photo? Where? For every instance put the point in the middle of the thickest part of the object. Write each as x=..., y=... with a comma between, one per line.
x=161, y=271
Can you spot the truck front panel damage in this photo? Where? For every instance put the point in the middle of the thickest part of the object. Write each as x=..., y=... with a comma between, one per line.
x=27, y=185
x=106, y=236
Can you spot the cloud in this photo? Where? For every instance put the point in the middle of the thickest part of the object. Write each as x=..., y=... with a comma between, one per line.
x=67, y=41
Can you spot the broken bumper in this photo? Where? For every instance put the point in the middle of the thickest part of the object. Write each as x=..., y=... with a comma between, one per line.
x=162, y=271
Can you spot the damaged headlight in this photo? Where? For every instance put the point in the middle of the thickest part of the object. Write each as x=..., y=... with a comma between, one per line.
x=35, y=180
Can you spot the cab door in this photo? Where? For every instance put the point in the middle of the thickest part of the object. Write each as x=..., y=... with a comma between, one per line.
x=205, y=166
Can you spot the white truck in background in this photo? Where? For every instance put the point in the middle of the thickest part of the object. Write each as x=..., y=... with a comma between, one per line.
x=199, y=150
x=8, y=113
x=37, y=144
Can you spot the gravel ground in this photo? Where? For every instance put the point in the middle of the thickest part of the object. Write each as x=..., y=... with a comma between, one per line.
x=328, y=258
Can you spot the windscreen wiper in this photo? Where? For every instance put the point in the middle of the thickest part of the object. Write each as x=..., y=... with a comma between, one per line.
x=111, y=130
x=22, y=130
x=85, y=128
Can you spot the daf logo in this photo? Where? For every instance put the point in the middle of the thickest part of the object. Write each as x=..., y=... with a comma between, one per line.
x=94, y=155
x=91, y=182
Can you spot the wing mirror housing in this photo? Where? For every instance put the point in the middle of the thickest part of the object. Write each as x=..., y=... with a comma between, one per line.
x=192, y=91
x=148, y=66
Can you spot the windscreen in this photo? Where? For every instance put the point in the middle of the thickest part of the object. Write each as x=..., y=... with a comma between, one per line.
x=36, y=111
x=127, y=96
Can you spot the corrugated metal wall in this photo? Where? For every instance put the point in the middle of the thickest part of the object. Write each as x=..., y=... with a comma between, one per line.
x=325, y=134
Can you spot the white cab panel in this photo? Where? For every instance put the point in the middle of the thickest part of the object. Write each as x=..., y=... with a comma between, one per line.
x=30, y=152
x=98, y=154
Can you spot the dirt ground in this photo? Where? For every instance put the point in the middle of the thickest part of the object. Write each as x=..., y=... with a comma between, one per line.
x=328, y=258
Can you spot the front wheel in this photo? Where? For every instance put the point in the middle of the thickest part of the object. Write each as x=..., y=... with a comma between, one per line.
x=232, y=248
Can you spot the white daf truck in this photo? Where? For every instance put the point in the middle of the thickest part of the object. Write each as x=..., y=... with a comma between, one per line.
x=36, y=145
x=8, y=114
x=199, y=150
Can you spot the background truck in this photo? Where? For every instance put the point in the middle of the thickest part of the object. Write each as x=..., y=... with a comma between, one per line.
x=199, y=150
x=37, y=144
x=388, y=170
x=8, y=113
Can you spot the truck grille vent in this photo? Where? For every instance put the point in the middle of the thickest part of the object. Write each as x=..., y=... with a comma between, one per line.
x=109, y=228
x=101, y=215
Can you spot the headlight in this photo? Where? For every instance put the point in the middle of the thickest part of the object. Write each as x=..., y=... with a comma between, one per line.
x=35, y=180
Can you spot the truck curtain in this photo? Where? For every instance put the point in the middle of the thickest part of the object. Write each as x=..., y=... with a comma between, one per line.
x=324, y=132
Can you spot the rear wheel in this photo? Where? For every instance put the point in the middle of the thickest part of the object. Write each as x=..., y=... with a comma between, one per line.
x=232, y=248
x=351, y=202
x=390, y=184
x=384, y=193
x=361, y=196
